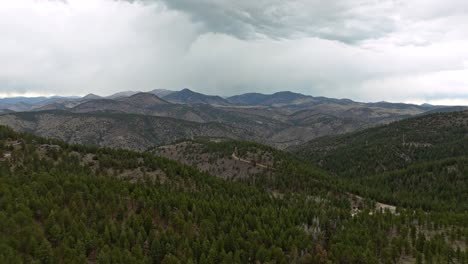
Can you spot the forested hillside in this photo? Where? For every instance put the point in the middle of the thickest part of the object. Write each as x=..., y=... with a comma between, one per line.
x=263, y=166
x=392, y=146
x=436, y=185
x=64, y=203
x=418, y=162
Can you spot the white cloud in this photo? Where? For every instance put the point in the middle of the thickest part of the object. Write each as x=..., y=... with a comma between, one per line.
x=383, y=52
x=88, y=45
x=428, y=87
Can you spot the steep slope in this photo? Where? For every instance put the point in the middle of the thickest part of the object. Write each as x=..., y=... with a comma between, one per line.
x=187, y=96
x=392, y=146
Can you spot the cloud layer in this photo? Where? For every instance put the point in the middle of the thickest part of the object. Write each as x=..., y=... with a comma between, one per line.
x=411, y=51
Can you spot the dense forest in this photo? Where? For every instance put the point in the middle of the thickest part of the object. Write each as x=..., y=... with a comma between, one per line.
x=418, y=162
x=439, y=185
x=63, y=203
x=390, y=147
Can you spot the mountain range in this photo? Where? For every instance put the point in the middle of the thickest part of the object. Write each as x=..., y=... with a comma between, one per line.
x=282, y=120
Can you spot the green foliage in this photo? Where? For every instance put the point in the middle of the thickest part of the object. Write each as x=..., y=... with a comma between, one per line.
x=418, y=162
x=438, y=185
x=393, y=146
x=57, y=208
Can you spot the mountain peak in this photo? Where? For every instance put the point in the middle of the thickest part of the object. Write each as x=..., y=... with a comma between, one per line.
x=187, y=96
x=188, y=91
x=161, y=92
x=144, y=99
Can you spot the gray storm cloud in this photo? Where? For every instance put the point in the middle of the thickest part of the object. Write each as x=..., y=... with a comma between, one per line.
x=346, y=21
x=362, y=49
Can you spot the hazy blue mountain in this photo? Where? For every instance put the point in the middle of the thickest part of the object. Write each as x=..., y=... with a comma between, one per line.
x=161, y=92
x=282, y=99
x=187, y=96
x=122, y=94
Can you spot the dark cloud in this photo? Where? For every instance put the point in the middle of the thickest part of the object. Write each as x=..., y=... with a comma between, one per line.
x=344, y=20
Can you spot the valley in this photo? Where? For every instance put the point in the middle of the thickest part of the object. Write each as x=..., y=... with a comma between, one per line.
x=275, y=179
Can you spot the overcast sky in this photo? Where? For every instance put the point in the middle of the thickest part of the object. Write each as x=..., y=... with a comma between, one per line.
x=367, y=50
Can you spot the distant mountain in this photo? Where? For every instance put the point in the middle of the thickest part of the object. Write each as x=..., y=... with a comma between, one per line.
x=157, y=92
x=91, y=96
x=387, y=105
x=281, y=120
x=115, y=130
x=20, y=106
x=52, y=106
x=161, y=92
x=187, y=96
x=150, y=104
x=140, y=103
x=58, y=99
x=285, y=98
x=28, y=100
x=22, y=103
x=101, y=105
x=248, y=99
x=297, y=102
x=280, y=98
x=63, y=103
x=3, y=111
x=122, y=94
x=144, y=100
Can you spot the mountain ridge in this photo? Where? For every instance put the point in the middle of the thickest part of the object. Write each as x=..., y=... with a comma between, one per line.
x=188, y=96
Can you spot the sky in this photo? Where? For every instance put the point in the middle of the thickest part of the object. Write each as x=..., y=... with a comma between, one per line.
x=366, y=50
